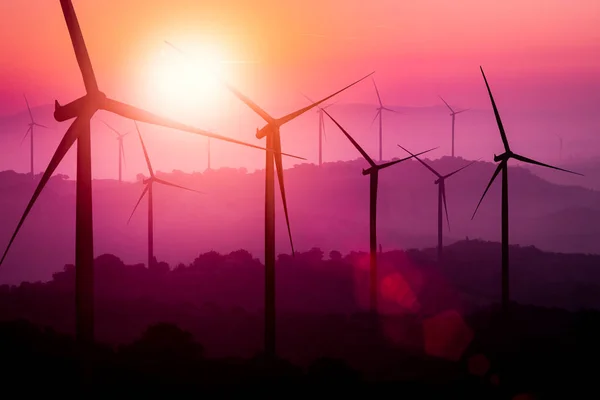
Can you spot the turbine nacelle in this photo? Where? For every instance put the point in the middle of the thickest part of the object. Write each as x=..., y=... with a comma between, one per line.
x=438, y=181
x=264, y=131
x=502, y=157
x=90, y=102
x=369, y=171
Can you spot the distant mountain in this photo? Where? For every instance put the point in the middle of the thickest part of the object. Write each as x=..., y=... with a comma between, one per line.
x=328, y=209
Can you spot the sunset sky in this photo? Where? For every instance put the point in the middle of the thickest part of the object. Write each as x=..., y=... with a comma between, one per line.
x=539, y=55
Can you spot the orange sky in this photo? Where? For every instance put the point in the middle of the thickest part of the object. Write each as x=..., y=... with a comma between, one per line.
x=431, y=43
x=539, y=55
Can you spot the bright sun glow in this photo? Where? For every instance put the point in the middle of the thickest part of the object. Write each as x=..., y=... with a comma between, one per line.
x=188, y=85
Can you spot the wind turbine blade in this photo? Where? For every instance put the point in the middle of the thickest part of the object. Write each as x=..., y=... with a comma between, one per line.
x=394, y=111
x=139, y=200
x=111, y=128
x=496, y=113
x=445, y=204
x=145, y=152
x=422, y=162
x=377, y=91
x=122, y=150
x=81, y=53
x=307, y=98
x=375, y=117
x=330, y=104
x=460, y=169
x=461, y=111
x=40, y=125
x=28, y=108
x=447, y=105
x=136, y=114
x=530, y=161
x=262, y=113
x=25, y=137
x=167, y=183
x=296, y=114
x=389, y=164
x=360, y=149
x=246, y=100
x=279, y=166
x=64, y=146
x=498, y=169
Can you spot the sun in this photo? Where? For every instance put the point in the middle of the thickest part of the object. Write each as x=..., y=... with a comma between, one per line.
x=186, y=86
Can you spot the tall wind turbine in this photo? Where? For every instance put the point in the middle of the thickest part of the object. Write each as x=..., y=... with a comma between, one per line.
x=83, y=109
x=148, y=189
x=379, y=114
x=441, y=182
x=453, y=115
x=503, y=166
x=321, y=127
x=373, y=173
x=120, y=137
x=273, y=161
x=29, y=132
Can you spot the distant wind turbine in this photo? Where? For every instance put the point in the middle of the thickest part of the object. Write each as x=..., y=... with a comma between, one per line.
x=29, y=132
x=208, y=151
x=453, y=115
x=503, y=166
x=373, y=172
x=321, y=127
x=271, y=131
x=83, y=109
x=441, y=182
x=560, y=147
x=120, y=137
x=148, y=189
x=379, y=114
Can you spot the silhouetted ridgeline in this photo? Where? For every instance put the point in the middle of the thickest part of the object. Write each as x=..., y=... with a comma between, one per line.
x=328, y=209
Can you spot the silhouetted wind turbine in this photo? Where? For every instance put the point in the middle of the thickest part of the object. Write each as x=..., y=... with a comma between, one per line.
x=83, y=109
x=273, y=160
x=379, y=114
x=120, y=137
x=208, y=151
x=441, y=182
x=29, y=132
x=560, y=147
x=321, y=127
x=148, y=189
x=503, y=166
x=373, y=172
x=453, y=115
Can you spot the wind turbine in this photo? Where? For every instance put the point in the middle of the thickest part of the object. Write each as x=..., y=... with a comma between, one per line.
x=441, y=182
x=560, y=147
x=273, y=161
x=83, y=109
x=373, y=172
x=453, y=115
x=148, y=189
x=120, y=137
x=29, y=132
x=208, y=151
x=321, y=127
x=379, y=114
x=503, y=166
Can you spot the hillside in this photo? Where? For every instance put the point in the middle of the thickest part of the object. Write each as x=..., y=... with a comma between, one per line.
x=328, y=209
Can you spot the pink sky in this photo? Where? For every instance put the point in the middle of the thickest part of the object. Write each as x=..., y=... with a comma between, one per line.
x=537, y=54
